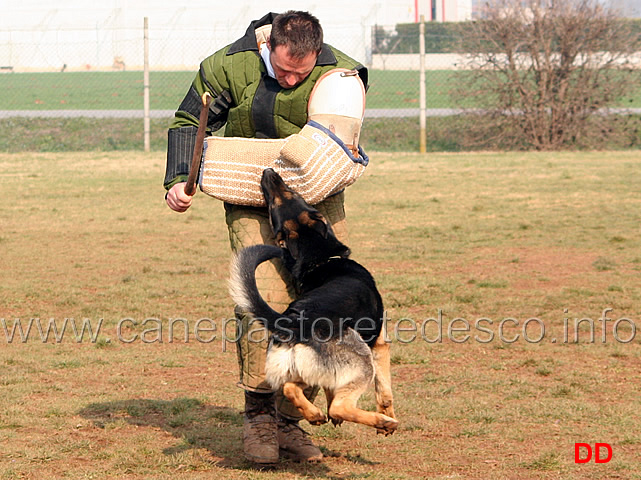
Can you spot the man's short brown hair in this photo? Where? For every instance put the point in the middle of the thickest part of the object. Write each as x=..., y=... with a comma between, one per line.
x=300, y=31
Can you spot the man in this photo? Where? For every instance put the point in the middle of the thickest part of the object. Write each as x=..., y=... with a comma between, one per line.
x=261, y=85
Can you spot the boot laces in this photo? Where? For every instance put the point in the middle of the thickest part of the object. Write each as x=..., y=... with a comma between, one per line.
x=295, y=432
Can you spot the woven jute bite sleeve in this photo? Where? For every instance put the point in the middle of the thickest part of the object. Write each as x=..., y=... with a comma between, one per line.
x=314, y=163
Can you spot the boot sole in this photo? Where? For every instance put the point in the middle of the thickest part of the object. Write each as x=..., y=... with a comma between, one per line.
x=292, y=456
x=262, y=461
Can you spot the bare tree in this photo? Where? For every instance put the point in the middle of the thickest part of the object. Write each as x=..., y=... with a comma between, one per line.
x=546, y=72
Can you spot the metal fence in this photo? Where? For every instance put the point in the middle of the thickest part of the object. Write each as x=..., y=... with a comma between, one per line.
x=98, y=72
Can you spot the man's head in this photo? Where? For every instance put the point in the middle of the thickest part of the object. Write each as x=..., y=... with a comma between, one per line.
x=295, y=41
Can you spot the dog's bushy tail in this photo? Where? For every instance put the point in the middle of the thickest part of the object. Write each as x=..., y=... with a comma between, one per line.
x=242, y=281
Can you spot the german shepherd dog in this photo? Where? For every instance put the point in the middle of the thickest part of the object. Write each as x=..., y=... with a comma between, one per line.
x=332, y=335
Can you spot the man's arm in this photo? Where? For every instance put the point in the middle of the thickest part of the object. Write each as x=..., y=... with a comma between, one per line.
x=182, y=132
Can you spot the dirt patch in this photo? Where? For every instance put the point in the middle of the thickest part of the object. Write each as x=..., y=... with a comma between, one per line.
x=530, y=268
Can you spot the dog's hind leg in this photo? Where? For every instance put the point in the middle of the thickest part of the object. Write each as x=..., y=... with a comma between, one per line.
x=343, y=408
x=383, y=376
x=329, y=396
x=294, y=392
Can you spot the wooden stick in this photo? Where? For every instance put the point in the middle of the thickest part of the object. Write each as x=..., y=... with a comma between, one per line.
x=190, y=188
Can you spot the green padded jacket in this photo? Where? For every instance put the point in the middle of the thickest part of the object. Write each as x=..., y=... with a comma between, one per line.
x=247, y=101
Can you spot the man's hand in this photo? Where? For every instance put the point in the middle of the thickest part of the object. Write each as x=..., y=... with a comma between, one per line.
x=177, y=199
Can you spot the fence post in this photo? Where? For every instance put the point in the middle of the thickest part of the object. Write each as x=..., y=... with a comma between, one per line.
x=147, y=126
x=422, y=99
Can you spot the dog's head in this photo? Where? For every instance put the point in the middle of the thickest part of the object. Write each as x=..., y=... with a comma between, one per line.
x=298, y=227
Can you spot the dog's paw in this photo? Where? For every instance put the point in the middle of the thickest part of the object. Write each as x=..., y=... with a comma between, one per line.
x=387, y=426
x=318, y=422
x=386, y=409
x=336, y=422
x=317, y=419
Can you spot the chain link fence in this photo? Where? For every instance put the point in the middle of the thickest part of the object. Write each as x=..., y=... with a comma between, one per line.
x=54, y=80
x=55, y=76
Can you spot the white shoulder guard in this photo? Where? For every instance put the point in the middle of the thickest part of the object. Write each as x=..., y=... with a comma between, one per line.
x=337, y=102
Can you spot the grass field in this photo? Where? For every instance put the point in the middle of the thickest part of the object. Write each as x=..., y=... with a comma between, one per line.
x=86, y=236
x=124, y=90
x=109, y=134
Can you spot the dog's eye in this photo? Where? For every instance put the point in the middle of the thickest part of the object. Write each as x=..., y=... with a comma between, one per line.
x=282, y=244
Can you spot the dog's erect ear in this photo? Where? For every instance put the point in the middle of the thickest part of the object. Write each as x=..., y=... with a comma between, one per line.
x=321, y=225
x=334, y=247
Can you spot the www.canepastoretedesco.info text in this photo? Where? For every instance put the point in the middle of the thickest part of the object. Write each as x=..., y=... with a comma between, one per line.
x=603, y=328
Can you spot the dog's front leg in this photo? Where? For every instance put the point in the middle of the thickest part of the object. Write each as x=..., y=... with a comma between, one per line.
x=383, y=377
x=294, y=392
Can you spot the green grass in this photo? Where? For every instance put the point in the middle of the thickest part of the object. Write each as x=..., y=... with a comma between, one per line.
x=124, y=90
x=88, y=235
x=91, y=134
x=22, y=134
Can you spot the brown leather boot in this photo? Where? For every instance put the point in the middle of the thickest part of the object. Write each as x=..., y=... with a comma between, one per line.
x=294, y=442
x=260, y=429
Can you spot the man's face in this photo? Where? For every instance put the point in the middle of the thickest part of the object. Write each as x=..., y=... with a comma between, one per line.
x=290, y=71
